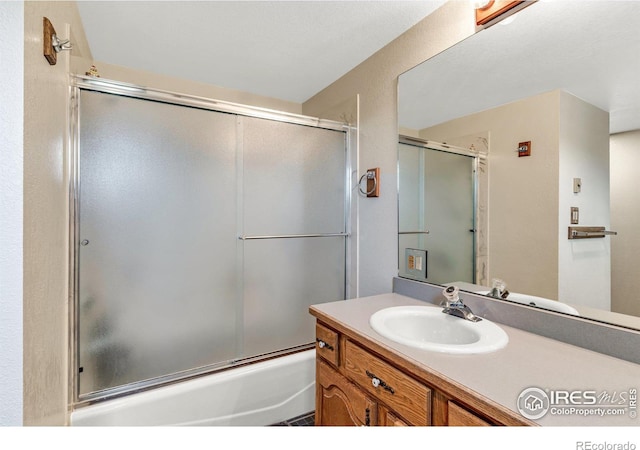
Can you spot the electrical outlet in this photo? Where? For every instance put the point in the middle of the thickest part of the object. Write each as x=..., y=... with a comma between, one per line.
x=416, y=263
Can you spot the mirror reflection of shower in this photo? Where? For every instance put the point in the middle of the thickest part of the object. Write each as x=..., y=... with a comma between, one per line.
x=437, y=212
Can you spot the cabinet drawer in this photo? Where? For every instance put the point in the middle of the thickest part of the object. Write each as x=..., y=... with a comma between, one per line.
x=404, y=395
x=327, y=344
x=460, y=417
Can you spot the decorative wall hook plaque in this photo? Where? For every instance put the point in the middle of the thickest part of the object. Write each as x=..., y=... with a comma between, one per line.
x=52, y=45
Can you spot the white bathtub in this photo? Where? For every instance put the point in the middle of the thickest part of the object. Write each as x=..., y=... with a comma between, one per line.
x=258, y=394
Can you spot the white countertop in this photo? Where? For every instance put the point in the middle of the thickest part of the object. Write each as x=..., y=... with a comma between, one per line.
x=527, y=361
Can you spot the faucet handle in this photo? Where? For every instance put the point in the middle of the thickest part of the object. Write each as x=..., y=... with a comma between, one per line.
x=451, y=294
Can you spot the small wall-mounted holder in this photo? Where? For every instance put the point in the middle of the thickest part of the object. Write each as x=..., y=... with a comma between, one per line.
x=524, y=149
x=577, y=185
x=589, y=232
x=373, y=183
x=52, y=45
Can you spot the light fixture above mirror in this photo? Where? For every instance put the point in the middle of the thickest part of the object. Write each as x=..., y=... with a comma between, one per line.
x=489, y=12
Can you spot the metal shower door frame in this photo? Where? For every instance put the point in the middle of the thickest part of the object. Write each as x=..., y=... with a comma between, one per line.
x=478, y=158
x=79, y=83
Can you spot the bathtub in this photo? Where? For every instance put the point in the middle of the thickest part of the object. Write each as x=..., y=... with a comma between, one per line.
x=258, y=394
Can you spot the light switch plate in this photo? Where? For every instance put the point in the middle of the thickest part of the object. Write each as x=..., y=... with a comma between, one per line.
x=575, y=215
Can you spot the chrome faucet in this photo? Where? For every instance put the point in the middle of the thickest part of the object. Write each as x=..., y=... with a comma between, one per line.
x=455, y=307
x=499, y=289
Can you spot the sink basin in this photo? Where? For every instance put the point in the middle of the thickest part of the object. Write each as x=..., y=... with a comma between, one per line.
x=428, y=328
x=540, y=302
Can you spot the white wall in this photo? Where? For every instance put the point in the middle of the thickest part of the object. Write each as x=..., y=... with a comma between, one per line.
x=11, y=189
x=584, y=265
x=625, y=219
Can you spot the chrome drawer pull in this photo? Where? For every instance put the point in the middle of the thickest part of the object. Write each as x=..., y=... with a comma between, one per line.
x=375, y=381
x=323, y=344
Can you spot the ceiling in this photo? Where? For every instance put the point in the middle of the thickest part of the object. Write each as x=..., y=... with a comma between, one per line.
x=288, y=50
x=590, y=49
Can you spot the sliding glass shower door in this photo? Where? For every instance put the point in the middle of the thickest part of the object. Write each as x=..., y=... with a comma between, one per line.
x=201, y=237
x=293, y=230
x=436, y=214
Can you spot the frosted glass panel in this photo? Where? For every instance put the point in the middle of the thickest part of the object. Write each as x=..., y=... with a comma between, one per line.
x=158, y=286
x=283, y=277
x=294, y=178
x=411, y=185
x=436, y=191
x=449, y=216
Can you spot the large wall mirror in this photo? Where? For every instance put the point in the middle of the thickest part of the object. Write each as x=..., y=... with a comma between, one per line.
x=560, y=82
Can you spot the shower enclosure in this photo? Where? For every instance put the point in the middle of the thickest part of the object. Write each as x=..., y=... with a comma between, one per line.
x=201, y=231
x=437, y=191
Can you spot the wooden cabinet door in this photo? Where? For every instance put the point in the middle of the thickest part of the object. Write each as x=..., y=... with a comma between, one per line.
x=389, y=419
x=340, y=402
x=460, y=417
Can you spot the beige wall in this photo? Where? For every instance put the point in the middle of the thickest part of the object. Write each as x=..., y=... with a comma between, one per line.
x=530, y=197
x=45, y=214
x=46, y=172
x=523, y=192
x=172, y=84
x=375, y=81
x=625, y=219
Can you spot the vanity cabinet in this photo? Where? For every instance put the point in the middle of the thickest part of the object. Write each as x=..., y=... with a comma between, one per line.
x=361, y=383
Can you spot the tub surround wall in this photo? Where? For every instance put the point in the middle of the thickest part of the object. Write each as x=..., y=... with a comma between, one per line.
x=603, y=338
